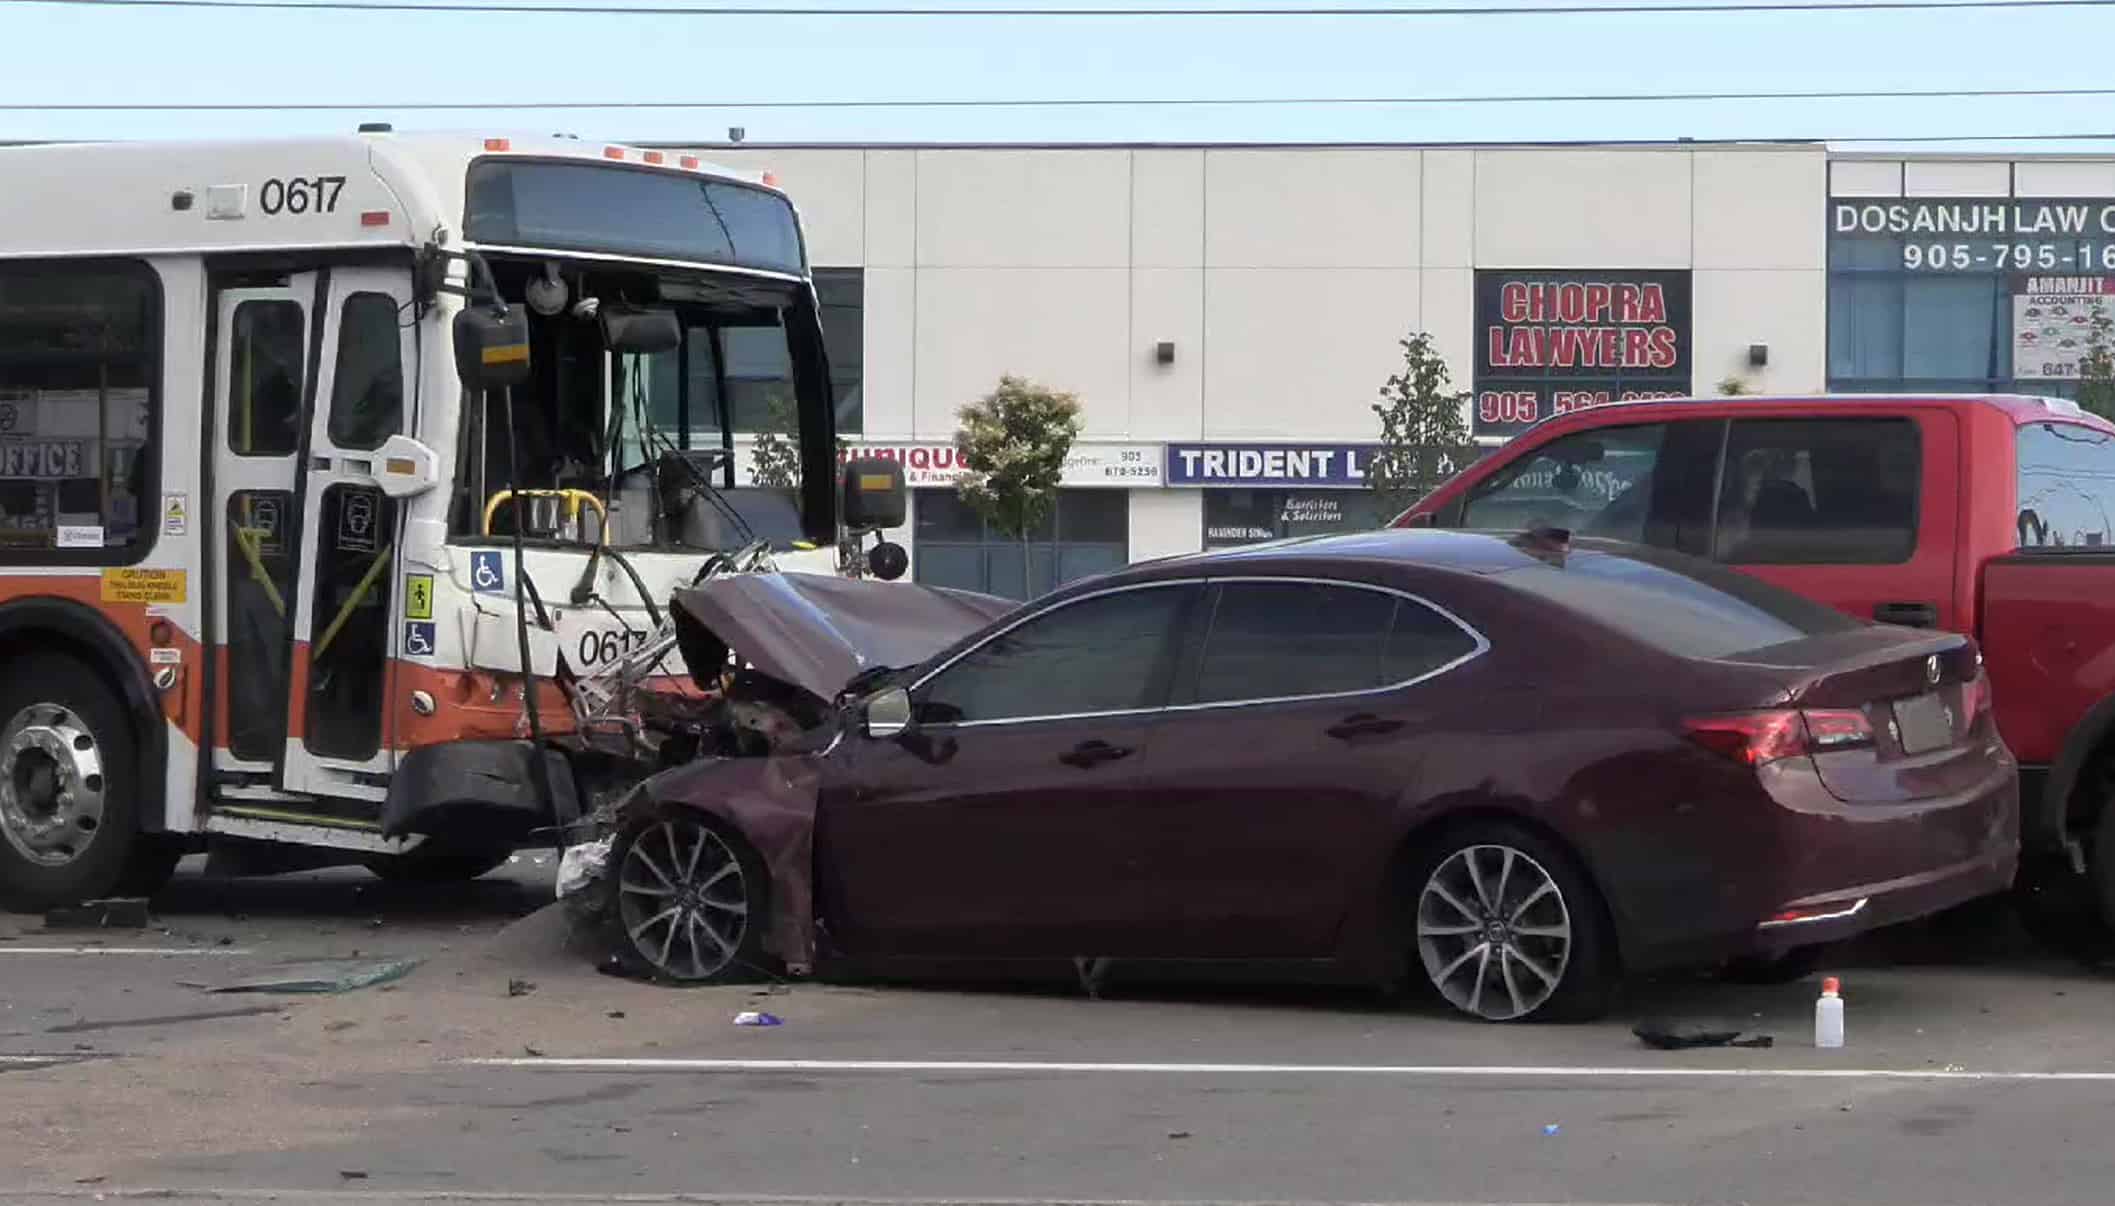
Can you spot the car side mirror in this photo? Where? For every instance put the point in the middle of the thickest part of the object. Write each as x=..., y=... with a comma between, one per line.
x=888, y=715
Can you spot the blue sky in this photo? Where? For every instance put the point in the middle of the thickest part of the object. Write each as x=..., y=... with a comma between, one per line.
x=66, y=53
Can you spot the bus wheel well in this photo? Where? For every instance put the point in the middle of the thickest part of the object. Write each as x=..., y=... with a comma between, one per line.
x=66, y=628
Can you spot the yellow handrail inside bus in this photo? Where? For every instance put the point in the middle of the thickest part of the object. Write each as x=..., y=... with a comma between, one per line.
x=573, y=500
x=345, y=609
x=249, y=540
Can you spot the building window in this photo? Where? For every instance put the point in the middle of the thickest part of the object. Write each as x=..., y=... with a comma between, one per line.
x=1963, y=295
x=1236, y=517
x=80, y=347
x=1088, y=532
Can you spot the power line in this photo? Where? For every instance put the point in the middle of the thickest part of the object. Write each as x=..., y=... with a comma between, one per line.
x=1043, y=103
x=1411, y=11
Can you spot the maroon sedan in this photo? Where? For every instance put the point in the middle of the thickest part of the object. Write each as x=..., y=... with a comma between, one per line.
x=1513, y=768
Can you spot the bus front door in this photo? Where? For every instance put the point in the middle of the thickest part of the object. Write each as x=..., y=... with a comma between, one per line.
x=262, y=363
x=346, y=602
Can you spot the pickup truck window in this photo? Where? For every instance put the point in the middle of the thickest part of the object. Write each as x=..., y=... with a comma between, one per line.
x=1595, y=483
x=2066, y=483
x=1819, y=492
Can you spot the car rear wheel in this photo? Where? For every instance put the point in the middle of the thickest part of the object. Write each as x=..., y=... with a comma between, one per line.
x=1508, y=929
x=690, y=901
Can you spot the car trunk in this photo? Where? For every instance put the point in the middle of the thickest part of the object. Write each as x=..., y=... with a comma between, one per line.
x=1922, y=697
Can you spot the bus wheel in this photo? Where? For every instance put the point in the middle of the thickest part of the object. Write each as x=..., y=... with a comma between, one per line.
x=69, y=785
x=438, y=868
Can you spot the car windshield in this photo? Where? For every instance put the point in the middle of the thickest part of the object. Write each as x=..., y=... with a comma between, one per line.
x=1674, y=603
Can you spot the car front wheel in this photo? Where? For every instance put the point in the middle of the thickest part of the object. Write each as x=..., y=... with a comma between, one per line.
x=690, y=899
x=1508, y=929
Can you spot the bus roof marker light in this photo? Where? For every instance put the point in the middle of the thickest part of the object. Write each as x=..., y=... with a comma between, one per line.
x=770, y=179
x=374, y=217
x=498, y=144
x=613, y=152
x=688, y=161
x=654, y=157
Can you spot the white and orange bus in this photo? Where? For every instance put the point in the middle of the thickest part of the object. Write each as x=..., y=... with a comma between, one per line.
x=310, y=448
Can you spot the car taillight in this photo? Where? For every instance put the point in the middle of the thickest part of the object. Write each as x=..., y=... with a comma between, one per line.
x=1757, y=738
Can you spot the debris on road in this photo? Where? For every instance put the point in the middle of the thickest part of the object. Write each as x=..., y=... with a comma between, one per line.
x=327, y=976
x=520, y=988
x=1679, y=1036
x=1551, y=1128
x=757, y=1017
x=114, y=913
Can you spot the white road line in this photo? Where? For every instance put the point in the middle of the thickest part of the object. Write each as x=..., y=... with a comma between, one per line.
x=5, y=949
x=538, y=1198
x=556, y=1064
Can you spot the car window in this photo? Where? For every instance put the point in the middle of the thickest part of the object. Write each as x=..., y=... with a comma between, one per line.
x=1819, y=492
x=2066, y=486
x=1682, y=605
x=1593, y=483
x=1273, y=640
x=1421, y=641
x=1104, y=653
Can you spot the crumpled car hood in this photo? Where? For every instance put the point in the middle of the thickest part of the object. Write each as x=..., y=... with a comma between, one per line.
x=815, y=633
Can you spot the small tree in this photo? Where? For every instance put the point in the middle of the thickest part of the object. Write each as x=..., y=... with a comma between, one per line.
x=1013, y=443
x=774, y=460
x=1733, y=387
x=2096, y=368
x=1424, y=431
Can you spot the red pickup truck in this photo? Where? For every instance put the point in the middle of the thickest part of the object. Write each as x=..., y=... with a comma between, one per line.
x=1992, y=516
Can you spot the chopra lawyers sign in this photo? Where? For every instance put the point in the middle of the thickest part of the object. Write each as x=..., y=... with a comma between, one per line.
x=1551, y=342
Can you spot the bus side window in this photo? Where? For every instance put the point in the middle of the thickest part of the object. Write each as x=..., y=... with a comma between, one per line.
x=367, y=399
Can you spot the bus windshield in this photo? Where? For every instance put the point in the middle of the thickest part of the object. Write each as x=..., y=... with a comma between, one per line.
x=630, y=211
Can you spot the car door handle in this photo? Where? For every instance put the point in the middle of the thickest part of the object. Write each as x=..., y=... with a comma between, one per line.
x=1089, y=754
x=1910, y=615
x=1363, y=724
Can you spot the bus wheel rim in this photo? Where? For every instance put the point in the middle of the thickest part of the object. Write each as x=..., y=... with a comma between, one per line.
x=51, y=784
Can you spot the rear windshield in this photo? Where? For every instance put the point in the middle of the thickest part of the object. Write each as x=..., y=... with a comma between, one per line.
x=2067, y=486
x=1677, y=604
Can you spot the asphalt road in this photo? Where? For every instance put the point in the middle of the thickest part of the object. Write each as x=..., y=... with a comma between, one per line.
x=505, y=1069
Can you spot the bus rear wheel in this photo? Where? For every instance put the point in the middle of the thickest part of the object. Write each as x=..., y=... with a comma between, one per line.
x=69, y=785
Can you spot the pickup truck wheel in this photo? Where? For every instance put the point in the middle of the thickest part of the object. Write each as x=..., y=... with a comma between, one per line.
x=2061, y=909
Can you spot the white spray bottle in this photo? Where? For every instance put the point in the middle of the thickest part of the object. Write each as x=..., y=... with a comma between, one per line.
x=1828, y=1015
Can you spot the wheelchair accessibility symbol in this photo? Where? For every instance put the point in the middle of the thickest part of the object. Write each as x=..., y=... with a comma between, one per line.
x=488, y=574
x=418, y=638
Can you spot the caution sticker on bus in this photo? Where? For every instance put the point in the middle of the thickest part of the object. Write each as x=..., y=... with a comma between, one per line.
x=143, y=586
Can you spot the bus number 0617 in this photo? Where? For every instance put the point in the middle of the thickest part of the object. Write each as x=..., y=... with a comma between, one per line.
x=296, y=195
x=599, y=647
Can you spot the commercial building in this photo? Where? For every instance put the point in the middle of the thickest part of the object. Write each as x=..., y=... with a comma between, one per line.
x=1228, y=314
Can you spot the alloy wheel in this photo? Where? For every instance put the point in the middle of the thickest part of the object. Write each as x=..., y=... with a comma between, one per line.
x=1494, y=932
x=683, y=899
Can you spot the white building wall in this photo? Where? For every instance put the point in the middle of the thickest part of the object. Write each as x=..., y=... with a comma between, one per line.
x=1284, y=276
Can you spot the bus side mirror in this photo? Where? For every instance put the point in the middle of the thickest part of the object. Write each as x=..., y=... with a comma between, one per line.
x=874, y=494
x=639, y=331
x=492, y=348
